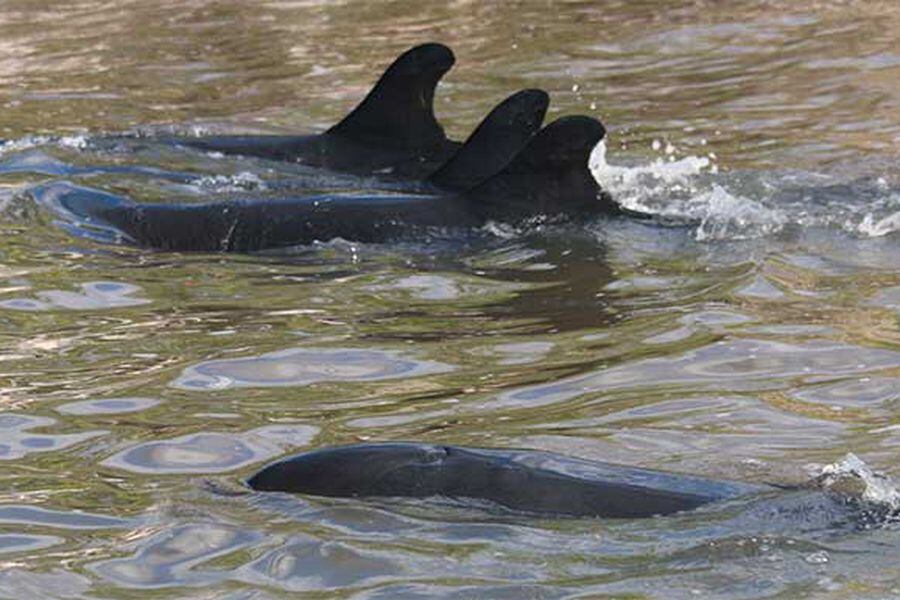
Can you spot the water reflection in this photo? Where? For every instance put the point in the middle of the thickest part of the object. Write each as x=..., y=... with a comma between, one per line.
x=174, y=556
x=700, y=429
x=17, y=582
x=523, y=352
x=739, y=364
x=43, y=517
x=307, y=564
x=211, y=452
x=423, y=591
x=599, y=341
x=17, y=441
x=427, y=287
x=97, y=295
x=562, y=281
x=107, y=406
x=889, y=298
x=762, y=288
x=12, y=542
x=304, y=366
x=855, y=393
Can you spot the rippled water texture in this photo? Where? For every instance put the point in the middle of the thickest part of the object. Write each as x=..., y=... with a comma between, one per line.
x=752, y=336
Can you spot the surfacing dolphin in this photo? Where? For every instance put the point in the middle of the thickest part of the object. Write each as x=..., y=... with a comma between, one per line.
x=392, y=132
x=548, y=178
x=523, y=480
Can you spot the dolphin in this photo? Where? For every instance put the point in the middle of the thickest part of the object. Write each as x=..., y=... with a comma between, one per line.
x=523, y=480
x=392, y=132
x=548, y=178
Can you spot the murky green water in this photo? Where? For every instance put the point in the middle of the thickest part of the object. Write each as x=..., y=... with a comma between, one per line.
x=137, y=389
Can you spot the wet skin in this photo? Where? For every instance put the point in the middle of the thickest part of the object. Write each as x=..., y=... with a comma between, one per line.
x=549, y=177
x=392, y=133
x=522, y=480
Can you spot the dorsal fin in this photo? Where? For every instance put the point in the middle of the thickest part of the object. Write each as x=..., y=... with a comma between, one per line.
x=495, y=141
x=399, y=110
x=550, y=176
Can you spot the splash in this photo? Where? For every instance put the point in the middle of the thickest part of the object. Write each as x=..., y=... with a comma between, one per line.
x=691, y=191
x=243, y=181
x=75, y=142
x=683, y=191
x=871, y=226
x=723, y=216
x=854, y=479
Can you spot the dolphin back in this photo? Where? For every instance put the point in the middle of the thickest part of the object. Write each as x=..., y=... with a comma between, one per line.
x=523, y=480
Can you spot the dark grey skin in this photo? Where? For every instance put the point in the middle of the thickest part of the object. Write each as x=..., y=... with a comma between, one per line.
x=392, y=133
x=490, y=147
x=523, y=480
x=548, y=178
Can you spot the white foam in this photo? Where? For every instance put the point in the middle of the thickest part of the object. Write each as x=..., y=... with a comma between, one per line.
x=682, y=190
x=871, y=226
x=77, y=142
x=724, y=216
x=501, y=230
x=622, y=178
x=231, y=183
x=851, y=473
x=691, y=190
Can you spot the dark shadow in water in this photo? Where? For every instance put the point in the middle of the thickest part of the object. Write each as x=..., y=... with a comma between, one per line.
x=568, y=274
x=555, y=281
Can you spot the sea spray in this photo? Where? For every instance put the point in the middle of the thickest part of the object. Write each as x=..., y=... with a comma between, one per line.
x=719, y=206
x=854, y=479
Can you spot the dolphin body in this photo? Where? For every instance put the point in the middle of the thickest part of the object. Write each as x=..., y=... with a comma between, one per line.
x=548, y=178
x=391, y=133
x=522, y=480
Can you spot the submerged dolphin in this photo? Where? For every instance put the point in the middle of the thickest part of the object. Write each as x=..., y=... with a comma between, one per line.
x=393, y=131
x=524, y=480
x=549, y=177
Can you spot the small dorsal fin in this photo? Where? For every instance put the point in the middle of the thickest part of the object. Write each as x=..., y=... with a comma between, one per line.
x=399, y=110
x=498, y=138
x=550, y=176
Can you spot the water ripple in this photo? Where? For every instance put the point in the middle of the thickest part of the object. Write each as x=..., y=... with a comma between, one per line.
x=738, y=364
x=107, y=406
x=18, y=441
x=304, y=366
x=211, y=452
x=34, y=515
x=96, y=295
x=174, y=556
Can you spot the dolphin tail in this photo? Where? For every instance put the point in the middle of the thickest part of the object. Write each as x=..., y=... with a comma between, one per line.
x=548, y=177
x=400, y=108
x=489, y=148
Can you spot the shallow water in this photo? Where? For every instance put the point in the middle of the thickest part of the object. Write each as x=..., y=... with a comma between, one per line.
x=759, y=342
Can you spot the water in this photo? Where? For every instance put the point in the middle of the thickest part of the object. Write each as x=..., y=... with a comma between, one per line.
x=750, y=333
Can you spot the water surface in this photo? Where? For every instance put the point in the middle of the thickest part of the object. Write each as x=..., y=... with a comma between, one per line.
x=757, y=342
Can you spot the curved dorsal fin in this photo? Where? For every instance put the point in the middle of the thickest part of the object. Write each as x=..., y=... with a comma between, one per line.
x=495, y=141
x=399, y=110
x=550, y=176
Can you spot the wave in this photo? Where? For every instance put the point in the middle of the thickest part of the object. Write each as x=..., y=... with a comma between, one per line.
x=719, y=206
